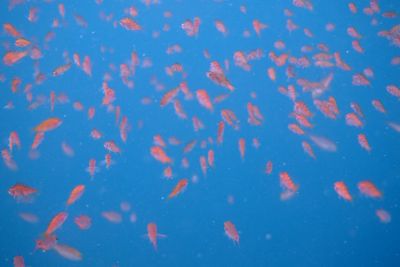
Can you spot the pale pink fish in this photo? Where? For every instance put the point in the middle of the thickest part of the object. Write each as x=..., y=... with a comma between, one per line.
x=68, y=252
x=111, y=146
x=324, y=143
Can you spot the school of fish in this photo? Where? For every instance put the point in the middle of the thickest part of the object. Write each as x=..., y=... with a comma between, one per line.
x=207, y=99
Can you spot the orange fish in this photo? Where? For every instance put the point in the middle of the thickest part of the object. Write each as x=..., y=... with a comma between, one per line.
x=76, y=193
x=47, y=125
x=11, y=57
x=362, y=140
x=21, y=42
x=341, y=189
x=368, y=189
x=159, y=154
x=56, y=222
x=181, y=185
x=39, y=136
x=129, y=24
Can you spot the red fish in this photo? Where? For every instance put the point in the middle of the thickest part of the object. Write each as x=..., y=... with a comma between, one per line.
x=11, y=58
x=76, y=193
x=307, y=148
x=11, y=30
x=242, y=147
x=169, y=96
x=180, y=186
x=383, y=215
x=87, y=66
x=8, y=160
x=159, y=154
x=129, y=24
x=268, y=167
x=152, y=234
x=13, y=139
x=362, y=140
x=203, y=165
x=92, y=169
x=67, y=149
x=19, y=261
x=231, y=232
x=56, y=222
x=21, y=191
x=48, y=125
x=368, y=189
x=47, y=242
x=112, y=216
x=258, y=26
x=107, y=161
x=204, y=99
x=83, y=222
x=220, y=132
x=61, y=69
x=210, y=158
x=288, y=186
x=341, y=189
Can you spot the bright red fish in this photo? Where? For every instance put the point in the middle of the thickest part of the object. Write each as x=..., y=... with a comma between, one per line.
x=180, y=186
x=56, y=222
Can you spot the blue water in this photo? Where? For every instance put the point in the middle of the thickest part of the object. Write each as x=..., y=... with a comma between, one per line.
x=313, y=228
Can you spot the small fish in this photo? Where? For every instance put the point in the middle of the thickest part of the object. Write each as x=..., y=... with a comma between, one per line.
x=152, y=234
x=231, y=232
